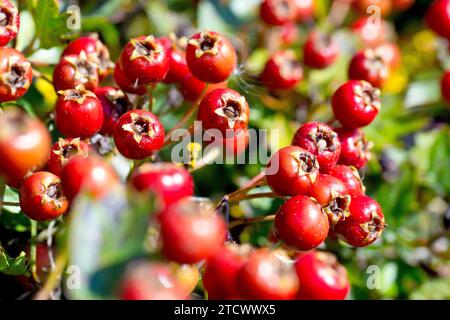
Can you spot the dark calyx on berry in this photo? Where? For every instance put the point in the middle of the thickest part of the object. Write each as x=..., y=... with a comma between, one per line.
x=374, y=228
x=307, y=162
x=325, y=140
x=337, y=210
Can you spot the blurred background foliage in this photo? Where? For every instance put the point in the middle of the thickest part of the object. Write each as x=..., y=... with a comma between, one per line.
x=409, y=173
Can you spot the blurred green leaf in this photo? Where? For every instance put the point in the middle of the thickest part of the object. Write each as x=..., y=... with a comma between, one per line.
x=13, y=266
x=437, y=289
x=50, y=24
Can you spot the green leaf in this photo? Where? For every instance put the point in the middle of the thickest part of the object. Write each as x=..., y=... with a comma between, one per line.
x=13, y=266
x=50, y=24
x=438, y=289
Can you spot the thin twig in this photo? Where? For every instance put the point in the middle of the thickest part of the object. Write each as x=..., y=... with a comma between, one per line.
x=9, y=204
x=40, y=75
x=53, y=278
x=251, y=220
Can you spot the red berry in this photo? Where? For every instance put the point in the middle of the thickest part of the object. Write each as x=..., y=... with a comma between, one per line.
x=445, y=86
x=115, y=103
x=74, y=70
x=125, y=84
x=356, y=104
x=292, y=171
x=364, y=224
x=91, y=175
x=191, y=88
x=96, y=51
x=16, y=74
x=178, y=68
x=144, y=60
x=211, y=57
x=278, y=12
x=369, y=65
x=321, y=276
x=222, y=270
x=24, y=145
x=350, y=177
x=438, y=17
x=138, y=134
x=384, y=6
x=355, y=148
x=42, y=198
x=301, y=224
x=64, y=150
x=370, y=33
x=402, y=5
x=320, y=50
x=144, y=280
x=78, y=113
x=282, y=71
x=191, y=231
x=305, y=10
x=236, y=143
x=289, y=34
x=169, y=181
x=332, y=195
x=321, y=141
x=390, y=53
x=10, y=22
x=224, y=109
x=267, y=275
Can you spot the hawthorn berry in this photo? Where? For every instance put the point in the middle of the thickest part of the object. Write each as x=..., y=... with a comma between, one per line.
x=95, y=50
x=369, y=65
x=134, y=87
x=267, y=275
x=332, y=195
x=289, y=34
x=144, y=60
x=322, y=277
x=390, y=53
x=15, y=74
x=9, y=22
x=24, y=145
x=88, y=174
x=224, y=109
x=355, y=149
x=319, y=139
x=320, y=50
x=64, y=150
x=41, y=196
x=282, y=71
x=438, y=17
x=384, y=6
x=301, y=224
x=78, y=113
x=211, y=57
x=356, y=104
x=191, y=88
x=237, y=142
x=144, y=280
x=178, y=68
x=169, y=181
x=364, y=224
x=371, y=34
x=74, y=70
x=292, y=171
x=115, y=103
x=191, y=231
x=278, y=12
x=445, y=86
x=350, y=177
x=304, y=10
x=222, y=270
x=138, y=134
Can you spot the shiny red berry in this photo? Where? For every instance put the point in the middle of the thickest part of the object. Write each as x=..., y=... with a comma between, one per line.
x=74, y=70
x=365, y=223
x=178, y=68
x=369, y=65
x=322, y=277
x=144, y=60
x=78, y=113
x=355, y=148
x=445, y=86
x=41, y=197
x=278, y=12
x=370, y=32
x=321, y=141
x=289, y=34
x=134, y=87
x=222, y=270
x=282, y=71
x=64, y=150
x=16, y=74
x=169, y=181
x=292, y=171
x=320, y=50
x=301, y=224
x=9, y=23
x=115, y=103
x=191, y=88
x=333, y=197
x=95, y=50
x=224, y=109
x=191, y=231
x=267, y=275
x=438, y=18
x=350, y=177
x=305, y=10
x=211, y=57
x=390, y=53
x=91, y=175
x=24, y=145
x=356, y=104
x=138, y=134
